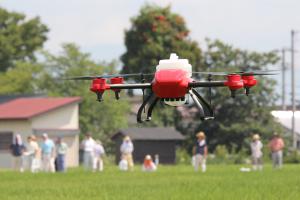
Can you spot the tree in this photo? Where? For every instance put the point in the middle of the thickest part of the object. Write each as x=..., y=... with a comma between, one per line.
x=154, y=34
x=23, y=78
x=19, y=38
x=235, y=119
x=101, y=119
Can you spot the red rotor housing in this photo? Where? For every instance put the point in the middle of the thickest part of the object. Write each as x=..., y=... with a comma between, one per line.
x=249, y=81
x=234, y=82
x=117, y=80
x=99, y=85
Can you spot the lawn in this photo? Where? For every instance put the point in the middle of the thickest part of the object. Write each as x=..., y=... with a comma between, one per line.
x=170, y=182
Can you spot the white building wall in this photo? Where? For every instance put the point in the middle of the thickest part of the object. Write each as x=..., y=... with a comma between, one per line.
x=62, y=118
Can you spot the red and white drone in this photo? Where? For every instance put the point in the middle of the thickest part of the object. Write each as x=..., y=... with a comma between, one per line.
x=173, y=84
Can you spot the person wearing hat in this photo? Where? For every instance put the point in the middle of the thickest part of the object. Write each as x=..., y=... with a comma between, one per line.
x=148, y=165
x=98, y=156
x=256, y=152
x=126, y=151
x=61, y=151
x=200, y=152
x=276, y=146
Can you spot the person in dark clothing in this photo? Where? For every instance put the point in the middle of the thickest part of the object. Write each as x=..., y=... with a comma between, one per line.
x=17, y=149
x=200, y=152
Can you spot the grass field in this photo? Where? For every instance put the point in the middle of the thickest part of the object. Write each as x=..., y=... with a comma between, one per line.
x=170, y=182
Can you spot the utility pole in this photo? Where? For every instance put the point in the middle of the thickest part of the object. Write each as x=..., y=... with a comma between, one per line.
x=293, y=88
x=283, y=80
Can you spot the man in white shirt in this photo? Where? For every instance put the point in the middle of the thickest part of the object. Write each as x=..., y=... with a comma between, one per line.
x=87, y=145
x=126, y=151
x=98, y=156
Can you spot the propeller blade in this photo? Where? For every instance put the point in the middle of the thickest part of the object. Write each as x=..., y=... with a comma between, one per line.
x=105, y=76
x=242, y=73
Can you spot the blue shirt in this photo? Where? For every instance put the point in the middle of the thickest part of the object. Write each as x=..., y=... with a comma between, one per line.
x=47, y=146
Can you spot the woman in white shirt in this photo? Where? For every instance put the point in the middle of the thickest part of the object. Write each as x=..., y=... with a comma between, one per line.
x=126, y=151
x=256, y=151
x=32, y=153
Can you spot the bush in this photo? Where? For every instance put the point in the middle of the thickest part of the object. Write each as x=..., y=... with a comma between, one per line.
x=182, y=156
x=292, y=156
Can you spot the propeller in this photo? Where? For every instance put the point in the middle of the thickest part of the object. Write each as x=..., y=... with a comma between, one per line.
x=105, y=76
x=242, y=73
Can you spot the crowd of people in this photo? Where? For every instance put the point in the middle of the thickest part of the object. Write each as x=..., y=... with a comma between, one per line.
x=50, y=156
x=47, y=157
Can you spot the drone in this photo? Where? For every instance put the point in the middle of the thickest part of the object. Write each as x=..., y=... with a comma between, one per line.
x=173, y=84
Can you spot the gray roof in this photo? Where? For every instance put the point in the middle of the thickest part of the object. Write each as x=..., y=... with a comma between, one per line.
x=153, y=133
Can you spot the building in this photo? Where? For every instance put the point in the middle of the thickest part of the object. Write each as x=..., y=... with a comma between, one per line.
x=160, y=141
x=38, y=115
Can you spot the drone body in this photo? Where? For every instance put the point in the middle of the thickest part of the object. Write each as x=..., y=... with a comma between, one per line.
x=173, y=84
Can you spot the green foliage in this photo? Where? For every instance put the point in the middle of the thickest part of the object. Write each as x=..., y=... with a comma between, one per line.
x=182, y=156
x=292, y=157
x=154, y=34
x=19, y=38
x=235, y=119
x=23, y=78
x=221, y=152
x=101, y=119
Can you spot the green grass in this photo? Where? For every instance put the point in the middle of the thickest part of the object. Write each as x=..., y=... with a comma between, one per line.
x=170, y=182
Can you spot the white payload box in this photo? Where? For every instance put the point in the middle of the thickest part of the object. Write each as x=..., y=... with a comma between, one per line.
x=175, y=63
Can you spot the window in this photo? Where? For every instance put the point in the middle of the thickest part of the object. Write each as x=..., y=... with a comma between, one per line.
x=5, y=140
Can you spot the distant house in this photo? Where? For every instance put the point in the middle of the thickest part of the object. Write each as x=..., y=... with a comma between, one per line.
x=38, y=115
x=284, y=117
x=161, y=141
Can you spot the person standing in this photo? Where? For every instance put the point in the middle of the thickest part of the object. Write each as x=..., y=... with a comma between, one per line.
x=276, y=146
x=33, y=153
x=61, y=151
x=87, y=145
x=98, y=156
x=17, y=149
x=256, y=152
x=126, y=151
x=200, y=152
x=48, y=154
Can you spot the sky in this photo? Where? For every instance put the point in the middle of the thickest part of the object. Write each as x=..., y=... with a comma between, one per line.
x=97, y=26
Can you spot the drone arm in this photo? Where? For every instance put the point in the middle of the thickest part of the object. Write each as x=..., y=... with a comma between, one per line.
x=207, y=84
x=130, y=86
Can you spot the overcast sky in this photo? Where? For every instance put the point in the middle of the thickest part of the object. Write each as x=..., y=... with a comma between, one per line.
x=98, y=26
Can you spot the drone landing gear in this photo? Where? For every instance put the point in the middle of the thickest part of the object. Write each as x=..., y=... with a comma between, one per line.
x=151, y=100
x=206, y=113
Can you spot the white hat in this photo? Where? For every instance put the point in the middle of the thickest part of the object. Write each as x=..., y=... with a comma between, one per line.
x=148, y=157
